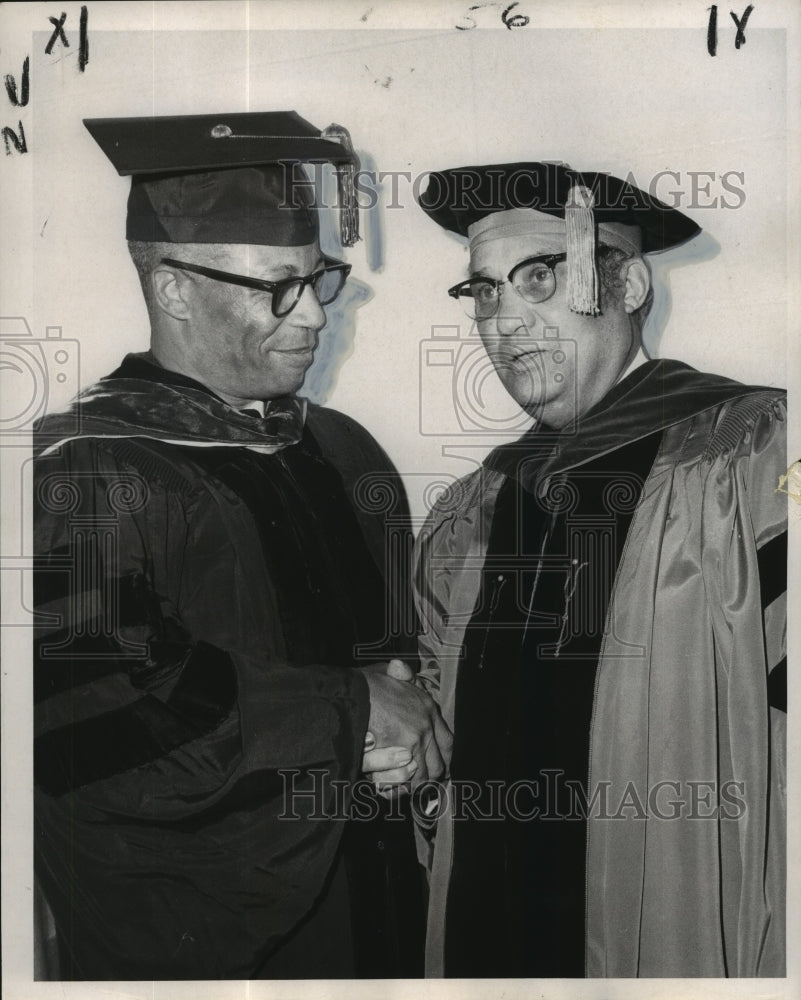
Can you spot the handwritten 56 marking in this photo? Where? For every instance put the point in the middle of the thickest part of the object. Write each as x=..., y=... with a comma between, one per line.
x=515, y=21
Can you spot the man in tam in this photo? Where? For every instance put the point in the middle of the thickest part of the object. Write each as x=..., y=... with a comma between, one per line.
x=215, y=643
x=603, y=615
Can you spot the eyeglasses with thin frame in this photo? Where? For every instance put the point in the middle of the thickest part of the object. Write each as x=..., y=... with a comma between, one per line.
x=326, y=283
x=533, y=279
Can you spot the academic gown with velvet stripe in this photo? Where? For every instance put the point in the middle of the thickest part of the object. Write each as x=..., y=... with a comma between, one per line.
x=198, y=606
x=671, y=714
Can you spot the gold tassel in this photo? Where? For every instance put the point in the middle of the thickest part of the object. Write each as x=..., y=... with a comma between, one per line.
x=582, y=276
x=348, y=206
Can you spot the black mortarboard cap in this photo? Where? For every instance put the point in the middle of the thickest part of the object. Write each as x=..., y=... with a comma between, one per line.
x=227, y=178
x=591, y=206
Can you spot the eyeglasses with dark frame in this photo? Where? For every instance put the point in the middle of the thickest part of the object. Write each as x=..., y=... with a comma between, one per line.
x=533, y=279
x=326, y=283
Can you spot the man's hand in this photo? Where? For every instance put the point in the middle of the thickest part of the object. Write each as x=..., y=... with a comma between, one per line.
x=391, y=769
x=409, y=739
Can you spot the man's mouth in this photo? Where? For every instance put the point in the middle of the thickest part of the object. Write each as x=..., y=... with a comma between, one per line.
x=530, y=352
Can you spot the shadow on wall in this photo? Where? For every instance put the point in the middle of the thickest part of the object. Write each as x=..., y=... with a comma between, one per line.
x=336, y=341
x=703, y=248
x=338, y=334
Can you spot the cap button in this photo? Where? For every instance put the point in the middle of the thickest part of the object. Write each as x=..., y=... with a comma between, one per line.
x=221, y=131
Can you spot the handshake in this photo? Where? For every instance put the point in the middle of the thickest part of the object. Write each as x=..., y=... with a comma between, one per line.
x=407, y=742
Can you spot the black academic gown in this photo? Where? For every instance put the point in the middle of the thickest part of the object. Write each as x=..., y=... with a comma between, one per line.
x=199, y=723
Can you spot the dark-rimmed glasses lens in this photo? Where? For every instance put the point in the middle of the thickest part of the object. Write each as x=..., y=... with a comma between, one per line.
x=533, y=279
x=327, y=283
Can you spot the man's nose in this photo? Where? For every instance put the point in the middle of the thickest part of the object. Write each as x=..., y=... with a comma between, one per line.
x=510, y=316
x=308, y=312
x=509, y=321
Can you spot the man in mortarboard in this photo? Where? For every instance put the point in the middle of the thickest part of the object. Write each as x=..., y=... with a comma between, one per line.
x=603, y=612
x=215, y=606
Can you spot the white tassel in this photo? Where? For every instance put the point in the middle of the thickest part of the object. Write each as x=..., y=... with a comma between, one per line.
x=582, y=275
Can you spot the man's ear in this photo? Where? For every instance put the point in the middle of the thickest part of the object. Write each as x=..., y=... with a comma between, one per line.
x=638, y=282
x=172, y=291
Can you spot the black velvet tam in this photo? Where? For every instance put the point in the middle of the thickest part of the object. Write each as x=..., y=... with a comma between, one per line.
x=462, y=196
